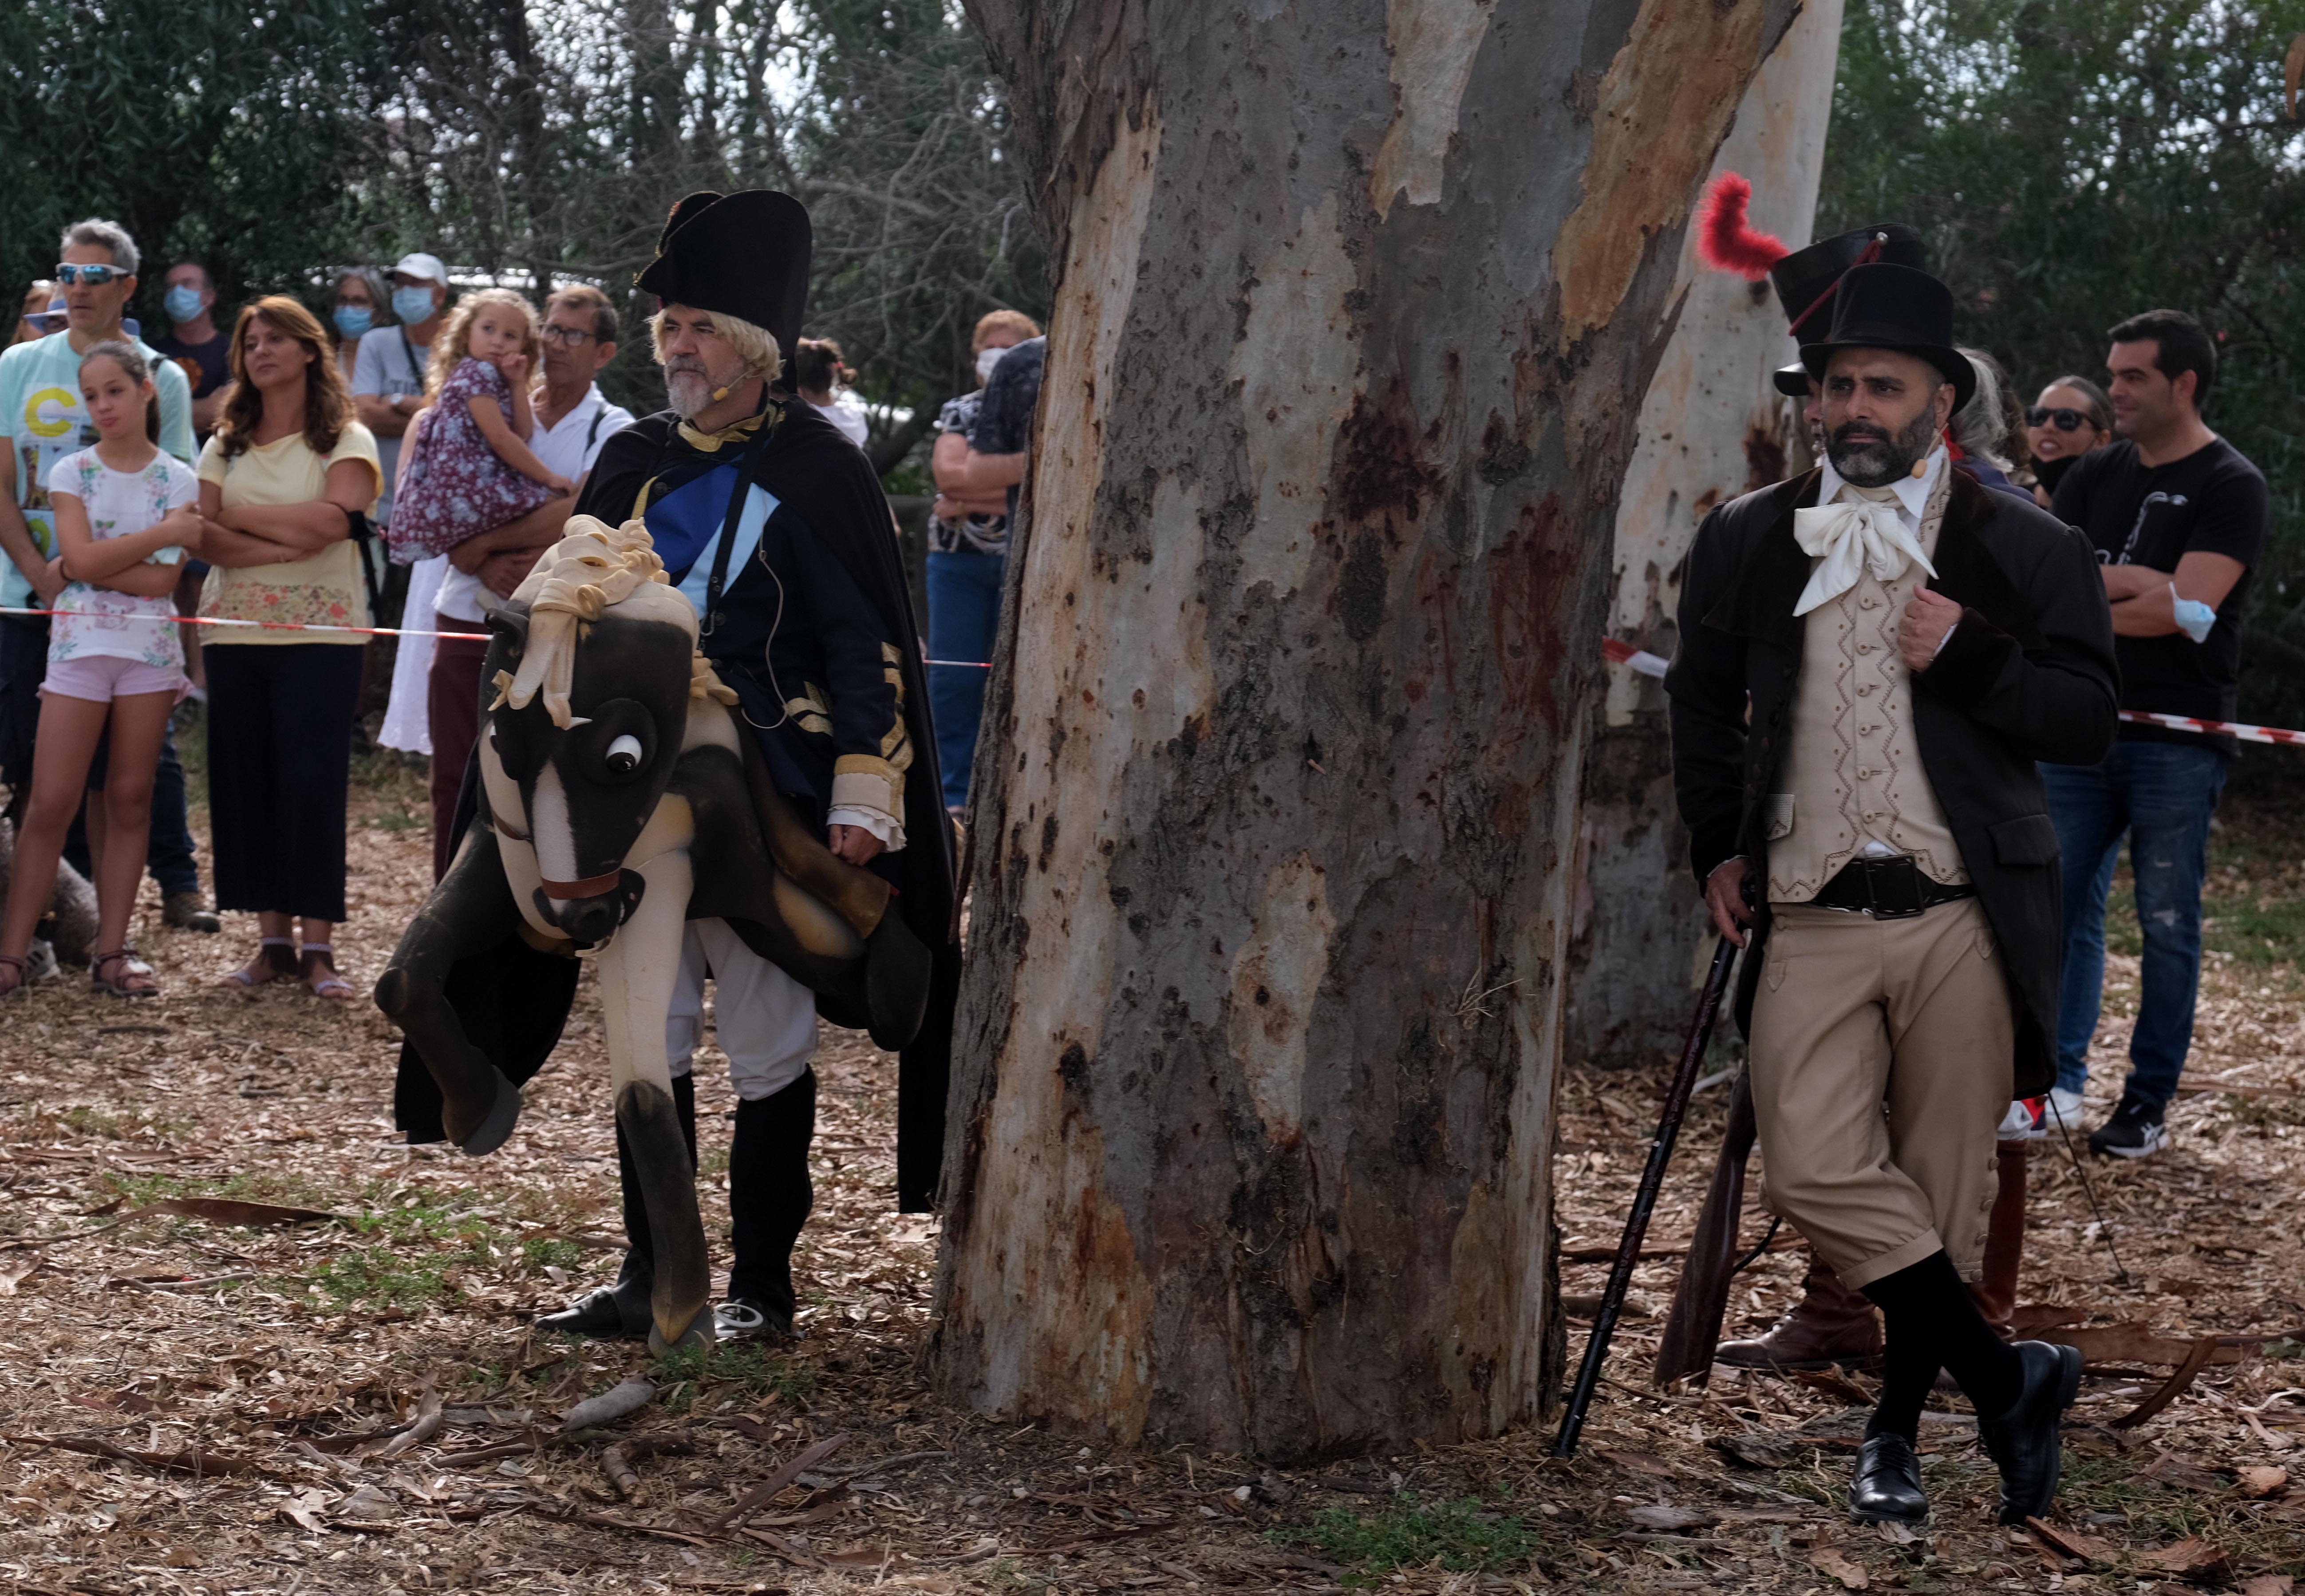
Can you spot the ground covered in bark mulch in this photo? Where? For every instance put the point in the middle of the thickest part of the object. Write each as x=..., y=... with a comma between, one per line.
x=198, y=1394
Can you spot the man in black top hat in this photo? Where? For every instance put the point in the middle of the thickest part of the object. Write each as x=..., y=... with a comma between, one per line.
x=774, y=526
x=1829, y=1324
x=1909, y=647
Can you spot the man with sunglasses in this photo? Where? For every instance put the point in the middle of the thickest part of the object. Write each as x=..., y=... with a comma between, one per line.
x=2178, y=519
x=42, y=420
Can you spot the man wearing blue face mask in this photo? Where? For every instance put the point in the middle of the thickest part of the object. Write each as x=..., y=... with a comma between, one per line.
x=389, y=374
x=202, y=352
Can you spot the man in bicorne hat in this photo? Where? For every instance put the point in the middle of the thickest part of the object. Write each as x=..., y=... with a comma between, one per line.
x=1910, y=645
x=1831, y=1324
x=774, y=526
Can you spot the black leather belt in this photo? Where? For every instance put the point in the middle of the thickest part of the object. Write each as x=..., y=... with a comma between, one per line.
x=1887, y=889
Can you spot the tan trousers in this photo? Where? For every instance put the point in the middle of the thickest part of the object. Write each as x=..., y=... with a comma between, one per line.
x=1882, y=1053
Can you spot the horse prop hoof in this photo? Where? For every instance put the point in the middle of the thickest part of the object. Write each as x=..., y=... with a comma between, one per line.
x=503, y=1114
x=700, y=1333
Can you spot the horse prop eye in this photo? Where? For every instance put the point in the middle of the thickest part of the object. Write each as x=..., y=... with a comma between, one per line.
x=624, y=754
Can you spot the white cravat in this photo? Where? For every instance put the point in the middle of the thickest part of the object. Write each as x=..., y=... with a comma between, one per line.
x=1855, y=529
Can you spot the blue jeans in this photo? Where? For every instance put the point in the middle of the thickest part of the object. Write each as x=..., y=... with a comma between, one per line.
x=964, y=618
x=2160, y=796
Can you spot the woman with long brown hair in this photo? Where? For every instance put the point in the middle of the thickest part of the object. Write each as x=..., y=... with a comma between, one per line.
x=282, y=482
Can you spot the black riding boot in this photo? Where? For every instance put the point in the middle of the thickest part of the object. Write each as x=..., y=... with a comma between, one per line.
x=769, y=1200
x=622, y=1310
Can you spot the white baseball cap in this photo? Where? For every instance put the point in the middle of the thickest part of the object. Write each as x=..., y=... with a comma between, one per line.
x=427, y=267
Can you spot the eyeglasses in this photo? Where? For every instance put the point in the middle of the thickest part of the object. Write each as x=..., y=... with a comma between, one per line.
x=95, y=277
x=2067, y=421
x=571, y=338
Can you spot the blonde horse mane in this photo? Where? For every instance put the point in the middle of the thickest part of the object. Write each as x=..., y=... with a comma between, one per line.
x=594, y=568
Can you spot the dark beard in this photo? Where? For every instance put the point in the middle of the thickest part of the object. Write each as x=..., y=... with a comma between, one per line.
x=1872, y=462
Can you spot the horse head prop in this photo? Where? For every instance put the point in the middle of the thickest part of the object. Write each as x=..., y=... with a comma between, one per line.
x=619, y=799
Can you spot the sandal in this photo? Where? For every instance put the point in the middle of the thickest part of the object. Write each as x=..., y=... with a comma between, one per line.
x=128, y=976
x=318, y=960
x=275, y=957
x=15, y=976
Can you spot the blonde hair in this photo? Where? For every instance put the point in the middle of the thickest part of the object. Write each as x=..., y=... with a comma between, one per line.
x=455, y=340
x=756, y=344
x=999, y=321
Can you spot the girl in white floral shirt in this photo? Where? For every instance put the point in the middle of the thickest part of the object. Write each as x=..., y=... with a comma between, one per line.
x=125, y=512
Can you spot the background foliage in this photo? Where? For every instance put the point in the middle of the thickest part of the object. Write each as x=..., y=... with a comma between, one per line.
x=2074, y=161
x=536, y=142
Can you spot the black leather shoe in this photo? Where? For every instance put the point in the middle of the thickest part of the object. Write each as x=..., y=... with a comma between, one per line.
x=618, y=1312
x=2026, y=1441
x=1888, y=1482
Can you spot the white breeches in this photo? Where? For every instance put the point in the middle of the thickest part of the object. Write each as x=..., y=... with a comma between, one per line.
x=764, y=1019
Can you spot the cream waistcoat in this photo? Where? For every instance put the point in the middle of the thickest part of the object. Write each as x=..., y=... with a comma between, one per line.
x=1851, y=782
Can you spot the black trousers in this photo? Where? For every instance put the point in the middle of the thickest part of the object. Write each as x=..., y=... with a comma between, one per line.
x=280, y=742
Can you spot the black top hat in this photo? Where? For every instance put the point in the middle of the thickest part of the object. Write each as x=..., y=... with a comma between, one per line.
x=1895, y=307
x=745, y=255
x=1805, y=278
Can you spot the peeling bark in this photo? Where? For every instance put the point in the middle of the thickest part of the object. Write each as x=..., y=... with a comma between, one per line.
x=1253, y=1096
x=1710, y=427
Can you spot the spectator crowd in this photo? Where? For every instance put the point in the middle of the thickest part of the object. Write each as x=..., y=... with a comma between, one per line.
x=270, y=464
x=268, y=469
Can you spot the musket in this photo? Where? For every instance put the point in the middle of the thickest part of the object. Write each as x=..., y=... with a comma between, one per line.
x=1692, y=1329
x=1637, y=1224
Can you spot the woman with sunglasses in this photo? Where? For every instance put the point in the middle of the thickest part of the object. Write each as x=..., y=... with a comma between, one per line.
x=2072, y=417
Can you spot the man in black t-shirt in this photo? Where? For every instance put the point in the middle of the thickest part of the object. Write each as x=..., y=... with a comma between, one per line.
x=2178, y=518
x=1001, y=439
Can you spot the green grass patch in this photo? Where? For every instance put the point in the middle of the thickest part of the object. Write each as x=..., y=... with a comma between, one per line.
x=538, y=1252
x=752, y=1367
x=1463, y=1536
x=92, y=1121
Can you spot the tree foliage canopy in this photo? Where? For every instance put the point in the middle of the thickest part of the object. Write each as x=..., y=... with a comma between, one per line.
x=538, y=143
x=2075, y=161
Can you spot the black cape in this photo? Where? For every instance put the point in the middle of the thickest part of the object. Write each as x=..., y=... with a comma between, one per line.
x=514, y=1000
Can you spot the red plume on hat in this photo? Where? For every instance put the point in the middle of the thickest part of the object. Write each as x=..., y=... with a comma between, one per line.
x=1725, y=240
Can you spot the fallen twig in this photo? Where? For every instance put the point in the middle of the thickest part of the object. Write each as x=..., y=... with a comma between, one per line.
x=755, y=1499
x=427, y=1425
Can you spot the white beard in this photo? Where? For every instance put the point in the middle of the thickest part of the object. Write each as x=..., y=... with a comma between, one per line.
x=688, y=392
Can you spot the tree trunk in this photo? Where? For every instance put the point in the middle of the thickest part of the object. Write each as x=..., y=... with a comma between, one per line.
x=1252, y=1098
x=1711, y=427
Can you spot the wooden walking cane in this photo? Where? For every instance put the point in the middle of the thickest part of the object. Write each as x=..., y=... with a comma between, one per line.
x=1637, y=1225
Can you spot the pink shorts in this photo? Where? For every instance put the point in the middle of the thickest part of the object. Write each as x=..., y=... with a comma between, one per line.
x=101, y=678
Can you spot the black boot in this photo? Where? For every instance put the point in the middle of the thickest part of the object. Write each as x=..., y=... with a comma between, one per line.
x=2026, y=1441
x=769, y=1200
x=622, y=1310
x=1888, y=1481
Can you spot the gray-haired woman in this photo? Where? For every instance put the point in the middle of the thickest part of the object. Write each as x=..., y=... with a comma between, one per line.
x=357, y=302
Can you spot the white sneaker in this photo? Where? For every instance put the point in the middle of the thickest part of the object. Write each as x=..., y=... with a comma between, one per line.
x=2066, y=1106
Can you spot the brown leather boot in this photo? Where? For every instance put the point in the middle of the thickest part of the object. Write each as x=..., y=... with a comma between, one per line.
x=1995, y=1289
x=1830, y=1325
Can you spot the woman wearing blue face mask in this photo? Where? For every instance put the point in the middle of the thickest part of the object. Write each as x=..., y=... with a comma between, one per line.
x=357, y=305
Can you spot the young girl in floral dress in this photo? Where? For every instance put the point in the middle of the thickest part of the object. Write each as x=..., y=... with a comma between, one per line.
x=124, y=517
x=469, y=468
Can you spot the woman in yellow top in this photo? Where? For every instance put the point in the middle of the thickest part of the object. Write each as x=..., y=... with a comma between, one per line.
x=281, y=482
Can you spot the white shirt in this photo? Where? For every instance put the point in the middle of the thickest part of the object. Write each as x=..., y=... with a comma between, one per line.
x=565, y=449
x=848, y=415
x=389, y=363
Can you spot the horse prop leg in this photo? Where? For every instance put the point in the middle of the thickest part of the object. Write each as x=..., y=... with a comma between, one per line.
x=637, y=970
x=470, y=911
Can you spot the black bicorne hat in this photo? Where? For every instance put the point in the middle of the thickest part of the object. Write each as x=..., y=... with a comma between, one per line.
x=745, y=255
x=1805, y=281
x=1895, y=307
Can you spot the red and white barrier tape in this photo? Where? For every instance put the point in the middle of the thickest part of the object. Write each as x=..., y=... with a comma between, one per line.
x=277, y=626
x=1649, y=664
